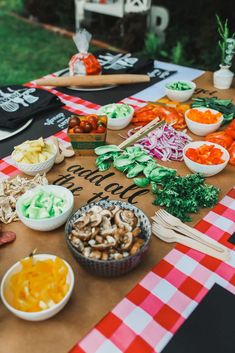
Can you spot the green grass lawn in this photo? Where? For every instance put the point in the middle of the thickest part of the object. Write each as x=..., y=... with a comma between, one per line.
x=28, y=51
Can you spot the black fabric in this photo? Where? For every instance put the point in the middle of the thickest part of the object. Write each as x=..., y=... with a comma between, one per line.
x=138, y=65
x=210, y=328
x=232, y=239
x=19, y=104
x=45, y=126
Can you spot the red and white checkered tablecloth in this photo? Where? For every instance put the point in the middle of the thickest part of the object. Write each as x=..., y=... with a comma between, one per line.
x=73, y=104
x=148, y=317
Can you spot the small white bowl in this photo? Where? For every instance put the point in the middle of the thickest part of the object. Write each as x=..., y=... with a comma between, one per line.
x=177, y=95
x=117, y=123
x=39, y=315
x=46, y=224
x=205, y=170
x=37, y=168
x=200, y=129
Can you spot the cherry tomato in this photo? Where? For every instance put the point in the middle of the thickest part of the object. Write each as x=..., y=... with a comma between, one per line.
x=100, y=123
x=101, y=129
x=74, y=121
x=92, y=119
x=87, y=127
x=78, y=130
x=103, y=120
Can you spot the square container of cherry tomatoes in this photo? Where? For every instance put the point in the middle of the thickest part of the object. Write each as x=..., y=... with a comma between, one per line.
x=86, y=132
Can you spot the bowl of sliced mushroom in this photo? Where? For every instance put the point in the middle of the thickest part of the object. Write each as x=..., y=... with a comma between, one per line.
x=108, y=238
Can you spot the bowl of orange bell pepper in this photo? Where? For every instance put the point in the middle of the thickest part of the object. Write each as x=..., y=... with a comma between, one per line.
x=37, y=287
x=202, y=121
x=205, y=157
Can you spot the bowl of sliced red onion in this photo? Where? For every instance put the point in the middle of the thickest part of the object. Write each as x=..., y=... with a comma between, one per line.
x=164, y=143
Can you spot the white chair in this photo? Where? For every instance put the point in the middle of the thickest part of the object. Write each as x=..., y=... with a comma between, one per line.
x=158, y=16
x=117, y=9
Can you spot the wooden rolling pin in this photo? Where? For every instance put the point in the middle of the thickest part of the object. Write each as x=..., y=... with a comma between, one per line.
x=92, y=81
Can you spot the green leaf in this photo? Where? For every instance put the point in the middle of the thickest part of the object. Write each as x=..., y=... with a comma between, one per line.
x=104, y=166
x=122, y=161
x=150, y=167
x=106, y=149
x=162, y=174
x=137, y=169
x=141, y=182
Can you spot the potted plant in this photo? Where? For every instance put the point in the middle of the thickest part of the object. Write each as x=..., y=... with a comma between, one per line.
x=223, y=78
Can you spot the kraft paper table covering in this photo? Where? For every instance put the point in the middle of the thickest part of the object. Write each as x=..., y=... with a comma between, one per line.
x=92, y=297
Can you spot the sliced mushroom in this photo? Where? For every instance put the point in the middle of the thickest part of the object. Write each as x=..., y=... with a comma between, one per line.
x=127, y=241
x=99, y=239
x=106, y=213
x=120, y=222
x=137, y=245
x=94, y=231
x=96, y=209
x=109, y=242
x=114, y=209
x=106, y=227
x=136, y=232
x=95, y=254
x=77, y=243
x=87, y=251
x=129, y=217
x=59, y=155
x=83, y=234
x=82, y=221
x=105, y=256
x=95, y=219
x=118, y=234
x=67, y=152
x=117, y=256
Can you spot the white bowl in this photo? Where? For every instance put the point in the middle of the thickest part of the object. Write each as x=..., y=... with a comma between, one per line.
x=39, y=315
x=180, y=96
x=46, y=224
x=200, y=129
x=205, y=170
x=37, y=168
x=117, y=123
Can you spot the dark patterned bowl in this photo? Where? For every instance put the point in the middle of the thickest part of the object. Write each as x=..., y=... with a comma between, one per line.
x=111, y=268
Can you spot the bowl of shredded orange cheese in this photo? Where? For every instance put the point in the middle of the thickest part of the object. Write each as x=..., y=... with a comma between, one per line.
x=37, y=287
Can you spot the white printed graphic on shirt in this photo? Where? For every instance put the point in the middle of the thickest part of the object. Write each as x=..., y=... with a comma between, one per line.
x=116, y=62
x=59, y=119
x=10, y=101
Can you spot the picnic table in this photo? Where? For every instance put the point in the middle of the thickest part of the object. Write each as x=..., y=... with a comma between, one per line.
x=164, y=266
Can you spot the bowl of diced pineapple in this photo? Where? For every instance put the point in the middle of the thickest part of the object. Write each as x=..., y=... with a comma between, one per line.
x=37, y=287
x=34, y=156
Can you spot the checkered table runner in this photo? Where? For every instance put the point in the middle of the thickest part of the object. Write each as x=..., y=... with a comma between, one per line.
x=148, y=317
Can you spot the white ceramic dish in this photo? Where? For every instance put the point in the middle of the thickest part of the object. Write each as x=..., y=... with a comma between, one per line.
x=177, y=95
x=46, y=224
x=39, y=315
x=200, y=129
x=5, y=134
x=206, y=170
x=117, y=123
x=37, y=168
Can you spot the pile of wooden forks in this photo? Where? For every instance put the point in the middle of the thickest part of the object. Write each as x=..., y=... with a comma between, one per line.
x=171, y=229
